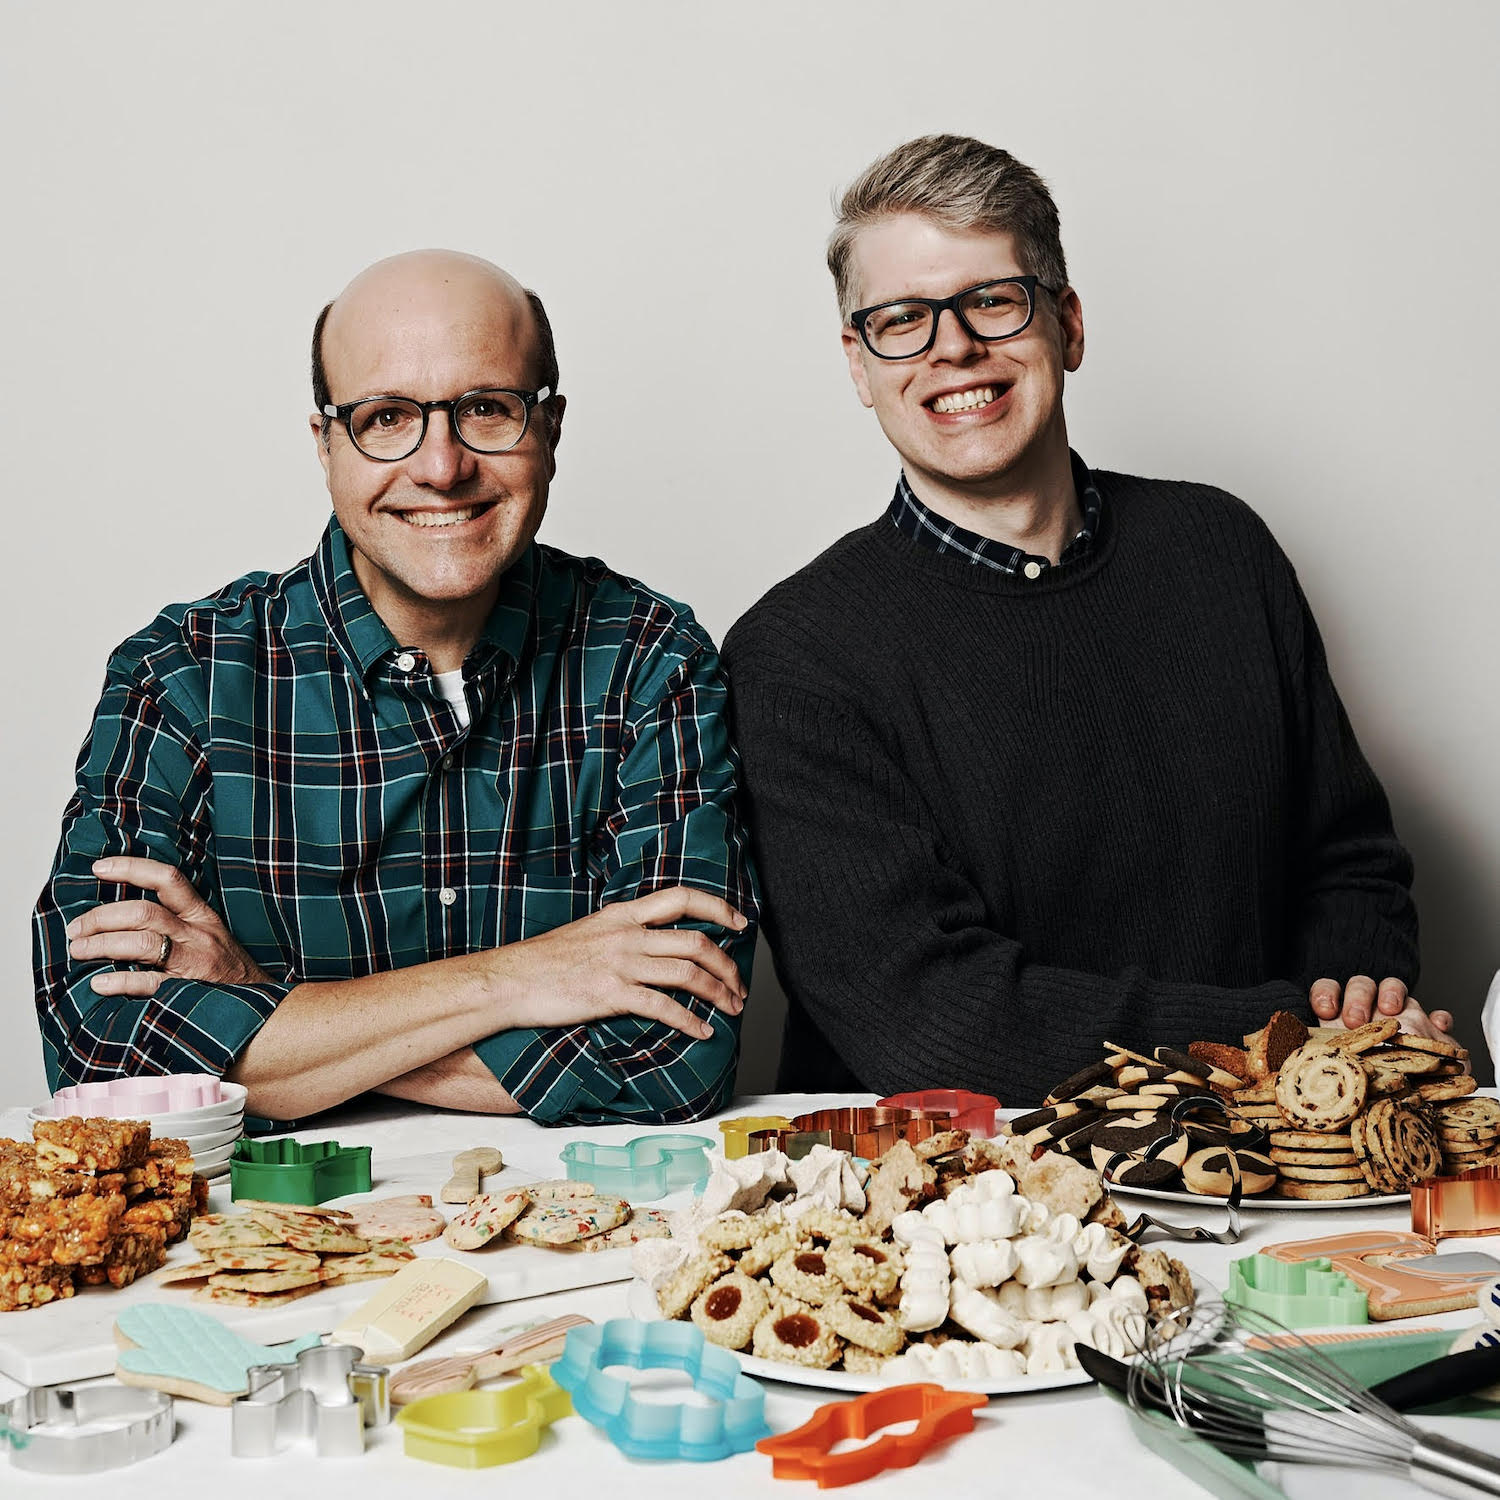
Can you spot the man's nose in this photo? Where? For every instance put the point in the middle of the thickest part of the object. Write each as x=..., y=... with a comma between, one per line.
x=442, y=461
x=952, y=340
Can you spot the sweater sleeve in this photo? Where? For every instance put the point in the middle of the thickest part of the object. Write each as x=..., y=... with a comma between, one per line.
x=888, y=947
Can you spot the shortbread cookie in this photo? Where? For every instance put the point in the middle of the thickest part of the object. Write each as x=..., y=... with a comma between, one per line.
x=643, y=1224
x=236, y=1297
x=678, y=1292
x=1086, y=1078
x=1270, y=1047
x=796, y=1333
x=559, y=1187
x=562, y=1221
x=865, y=1325
x=728, y=1310
x=1320, y=1089
x=1284, y=1157
x=1293, y=1173
x=1311, y=1140
x=866, y=1268
x=210, y=1232
x=264, y=1258
x=1323, y=1192
x=264, y=1281
x=1439, y=1090
x=804, y=1274
x=485, y=1217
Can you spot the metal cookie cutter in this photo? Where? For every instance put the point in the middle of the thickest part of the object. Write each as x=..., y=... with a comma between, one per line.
x=84, y=1429
x=963, y=1110
x=1467, y=1203
x=326, y=1396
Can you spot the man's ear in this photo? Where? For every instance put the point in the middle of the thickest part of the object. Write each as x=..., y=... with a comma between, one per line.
x=321, y=433
x=854, y=352
x=1070, y=319
x=554, y=421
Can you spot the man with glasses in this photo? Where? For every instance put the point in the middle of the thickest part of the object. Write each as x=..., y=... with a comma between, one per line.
x=440, y=812
x=1045, y=755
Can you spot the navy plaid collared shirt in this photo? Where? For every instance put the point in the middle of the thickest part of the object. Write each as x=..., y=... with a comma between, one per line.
x=924, y=525
x=304, y=772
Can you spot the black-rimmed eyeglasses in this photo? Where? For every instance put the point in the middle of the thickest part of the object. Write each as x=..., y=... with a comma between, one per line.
x=389, y=428
x=991, y=311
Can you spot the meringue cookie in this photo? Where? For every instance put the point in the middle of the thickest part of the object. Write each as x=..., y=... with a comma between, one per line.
x=924, y=1288
x=1049, y=1349
x=985, y=1262
x=1055, y=1304
x=1129, y=1291
x=743, y=1183
x=1100, y=1251
x=1012, y=1297
x=910, y=1228
x=998, y=1219
x=1111, y=1327
x=1037, y=1216
x=1043, y=1263
x=828, y=1177
x=988, y=1187
x=1061, y=1229
x=975, y=1311
x=656, y=1262
x=955, y=1360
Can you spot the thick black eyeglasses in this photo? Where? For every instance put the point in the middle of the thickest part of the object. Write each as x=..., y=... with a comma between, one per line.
x=389, y=428
x=991, y=311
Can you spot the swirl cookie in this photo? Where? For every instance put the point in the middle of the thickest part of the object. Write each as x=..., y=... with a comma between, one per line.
x=728, y=1310
x=797, y=1333
x=1320, y=1088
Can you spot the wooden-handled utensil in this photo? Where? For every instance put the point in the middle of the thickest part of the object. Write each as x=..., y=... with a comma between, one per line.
x=458, y=1372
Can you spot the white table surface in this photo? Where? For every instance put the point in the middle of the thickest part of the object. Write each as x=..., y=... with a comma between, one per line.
x=1056, y=1444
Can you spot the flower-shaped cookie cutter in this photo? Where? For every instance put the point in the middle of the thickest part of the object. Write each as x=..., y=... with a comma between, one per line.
x=650, y=1166
x=959, y=1109
x=136, y=1098
x=285, y=1170
x=732, y=1422
x=864, y=1132
x=737, y=1132
x=85, y=1429
x=806, y=1452
x=1467, y=1203
x=1298, y=1294
x=326, y=1395
x=478, y=1429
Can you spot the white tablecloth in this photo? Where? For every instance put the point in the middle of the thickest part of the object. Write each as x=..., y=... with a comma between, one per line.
x=1061, y=1443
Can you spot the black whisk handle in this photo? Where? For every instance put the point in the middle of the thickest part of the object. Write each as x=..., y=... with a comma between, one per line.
x=1440, y=1380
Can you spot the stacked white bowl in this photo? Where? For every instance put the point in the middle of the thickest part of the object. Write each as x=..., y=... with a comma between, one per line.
x=205, y=1111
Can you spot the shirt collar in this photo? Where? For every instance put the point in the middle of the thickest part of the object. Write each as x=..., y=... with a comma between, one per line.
x=361, y=635
x=926, y=527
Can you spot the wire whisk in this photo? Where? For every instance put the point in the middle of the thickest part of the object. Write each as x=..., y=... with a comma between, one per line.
x=1256, y=1390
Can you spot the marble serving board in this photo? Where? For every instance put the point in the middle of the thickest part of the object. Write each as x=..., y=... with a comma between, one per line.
x=74, y=1339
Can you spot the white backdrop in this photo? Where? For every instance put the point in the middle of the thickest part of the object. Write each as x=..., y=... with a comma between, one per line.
x=1280, y=218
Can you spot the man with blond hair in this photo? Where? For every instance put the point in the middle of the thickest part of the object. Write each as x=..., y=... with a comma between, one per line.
x=440, y=812
x=1044, y=755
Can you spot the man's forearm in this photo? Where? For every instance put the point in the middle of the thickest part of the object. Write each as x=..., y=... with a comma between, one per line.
x=458, y=1081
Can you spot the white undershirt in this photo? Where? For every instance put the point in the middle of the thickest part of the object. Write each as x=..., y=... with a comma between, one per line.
x=451, y=686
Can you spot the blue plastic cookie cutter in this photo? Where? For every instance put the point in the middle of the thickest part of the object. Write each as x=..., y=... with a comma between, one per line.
x=733, y=1422
x=478, y=1429
x=651, y=1166
x=288, y=1171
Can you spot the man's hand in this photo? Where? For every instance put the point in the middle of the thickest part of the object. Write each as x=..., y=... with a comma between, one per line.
x=1361, y=999
x=131, y=932
x=620, y=960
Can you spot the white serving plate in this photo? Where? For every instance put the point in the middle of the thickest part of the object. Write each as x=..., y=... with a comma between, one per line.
x=1267, y=1202
x=197, y=1143
x=229, y=1110
x=216, y=1159
x=641, y=1303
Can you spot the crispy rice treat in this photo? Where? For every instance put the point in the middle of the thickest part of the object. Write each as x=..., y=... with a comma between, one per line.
x=93, y=1145
x=31, y=1286
x=130, y=1255
x=74, y=1231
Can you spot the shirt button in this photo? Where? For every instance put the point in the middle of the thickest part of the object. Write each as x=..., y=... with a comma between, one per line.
x=406, y=661
x=447, y=762
x=447, y=895
x=1032, y=570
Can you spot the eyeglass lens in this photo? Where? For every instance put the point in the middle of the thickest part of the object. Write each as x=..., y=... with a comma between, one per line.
x=994, y=311
x=388, y=427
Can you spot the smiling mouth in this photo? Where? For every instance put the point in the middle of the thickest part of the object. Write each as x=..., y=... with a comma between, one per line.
x=970, y=400
x=430, y=520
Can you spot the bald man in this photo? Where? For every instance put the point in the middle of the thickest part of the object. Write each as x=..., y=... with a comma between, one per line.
x=441, y=812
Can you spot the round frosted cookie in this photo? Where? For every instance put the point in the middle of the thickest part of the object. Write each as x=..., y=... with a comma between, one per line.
x=1320, y=1088
x=485, y=1217
x=1324, y=1192
x=728, y=1310
x=562, y=1221
x=796, y=1333
x=264, y=1258
x=1284, y=1157
x=866, y=1268
x=864, y=1324
x=678, y=1292
x=805, y=1275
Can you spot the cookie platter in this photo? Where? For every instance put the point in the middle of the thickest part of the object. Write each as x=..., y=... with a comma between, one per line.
x=1269, y=1205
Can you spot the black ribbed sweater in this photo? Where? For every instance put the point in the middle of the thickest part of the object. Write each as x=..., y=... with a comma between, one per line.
x=999, y=821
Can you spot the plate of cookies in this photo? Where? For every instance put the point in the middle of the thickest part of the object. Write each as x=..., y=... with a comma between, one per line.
x=1300, y=1118
x=966, y=1262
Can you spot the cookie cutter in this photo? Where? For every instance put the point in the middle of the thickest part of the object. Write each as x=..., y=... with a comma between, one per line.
x=807, y=1452
x=650, y=1166
x=1297, y=1294
x=85, y=1429
x=964, y=1111
x=288, y=1171
x=1465, y=1204
x=736, y=1132
x=732, y=1422
x=136, y=1098
x=327, y=1395
x=864, y=1132
x=478, y=1429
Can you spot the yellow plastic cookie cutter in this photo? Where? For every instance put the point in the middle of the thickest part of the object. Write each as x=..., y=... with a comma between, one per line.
x=736, y=1132
x=479, y=1429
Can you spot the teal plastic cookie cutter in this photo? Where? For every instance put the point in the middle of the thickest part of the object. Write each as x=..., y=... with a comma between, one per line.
x=1299, y=1294
x=651, y=1166
x=733, y=1421
x=287, y=1171
x=478, y=1429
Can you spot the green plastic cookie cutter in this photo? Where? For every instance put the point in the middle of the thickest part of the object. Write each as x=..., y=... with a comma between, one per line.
x=478, y=1429
x=1299, y=1294
x=287, y=1171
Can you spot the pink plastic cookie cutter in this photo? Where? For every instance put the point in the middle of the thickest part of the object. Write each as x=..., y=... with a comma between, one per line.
x=136, y=1098
x=963, y=1111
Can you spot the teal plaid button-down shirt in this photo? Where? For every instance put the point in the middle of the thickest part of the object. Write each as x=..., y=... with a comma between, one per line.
x=302, y=769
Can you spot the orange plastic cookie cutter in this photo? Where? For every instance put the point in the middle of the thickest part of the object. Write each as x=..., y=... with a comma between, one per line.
x=806, y=1452
x=1468, y=1203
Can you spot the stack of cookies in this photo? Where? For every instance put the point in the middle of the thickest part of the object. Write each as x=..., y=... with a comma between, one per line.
x=1468, y=1132
x=558, y=1214
x=92, y=1202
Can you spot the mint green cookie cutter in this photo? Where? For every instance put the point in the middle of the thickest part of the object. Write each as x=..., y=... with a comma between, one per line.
x=651, y=1166
x=1299, y=1294
x=478, y=1429
x=285, y=1170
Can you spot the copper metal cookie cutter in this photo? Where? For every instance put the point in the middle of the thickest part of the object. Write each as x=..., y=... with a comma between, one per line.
x=1467, y=1203
x=865, y=1132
